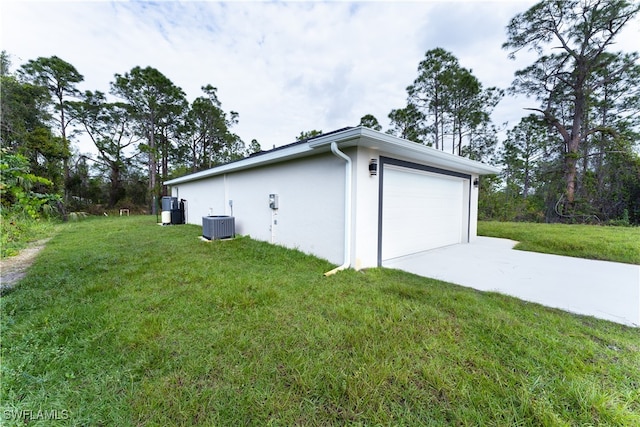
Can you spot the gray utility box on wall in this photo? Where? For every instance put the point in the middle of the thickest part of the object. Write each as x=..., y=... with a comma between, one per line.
x=218, y=227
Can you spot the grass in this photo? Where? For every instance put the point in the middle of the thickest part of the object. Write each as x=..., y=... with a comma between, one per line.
x=122, y=322
x=618, y=244
x=17, y=231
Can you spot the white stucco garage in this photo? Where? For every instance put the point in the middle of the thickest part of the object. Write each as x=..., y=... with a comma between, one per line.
x=355, y=197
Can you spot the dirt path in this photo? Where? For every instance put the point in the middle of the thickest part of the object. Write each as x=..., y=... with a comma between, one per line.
x=14, y=268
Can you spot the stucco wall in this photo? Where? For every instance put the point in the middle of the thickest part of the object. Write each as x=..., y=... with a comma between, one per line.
x=473, y=223
x=203, y=197
x=365, y=212
x=311, y=203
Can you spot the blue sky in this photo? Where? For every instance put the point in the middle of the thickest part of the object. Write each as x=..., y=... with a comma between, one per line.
x=285, y=67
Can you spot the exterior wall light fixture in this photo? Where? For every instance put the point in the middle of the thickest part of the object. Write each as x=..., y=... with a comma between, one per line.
x=373, y=167
x=476, y=182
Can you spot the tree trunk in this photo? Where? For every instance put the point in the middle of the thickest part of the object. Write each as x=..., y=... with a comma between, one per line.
x=65, y=143
x=436, y=122
x=526, y=184
x=573, y=144
x=165, y=162
x=570, y=179
x=153, y=167
x=194, y=156
x=114, y=189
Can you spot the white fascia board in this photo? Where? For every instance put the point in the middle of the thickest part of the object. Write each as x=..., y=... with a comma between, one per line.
x=249, y=162
x=359, y=136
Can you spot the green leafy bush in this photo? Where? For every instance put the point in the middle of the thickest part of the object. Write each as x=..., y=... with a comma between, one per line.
x=20, y=190
x=25, y=207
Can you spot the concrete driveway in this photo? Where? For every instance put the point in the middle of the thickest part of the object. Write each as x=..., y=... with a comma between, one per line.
x=606, y=290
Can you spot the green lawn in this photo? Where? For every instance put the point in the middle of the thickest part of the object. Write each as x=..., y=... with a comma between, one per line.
x=123, y=322
x=619, y=244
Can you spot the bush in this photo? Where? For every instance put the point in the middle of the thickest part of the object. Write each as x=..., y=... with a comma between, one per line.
x=20, y=190
x=622, y=222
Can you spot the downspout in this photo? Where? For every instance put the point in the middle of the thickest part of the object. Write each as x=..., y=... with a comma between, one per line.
x=347, y=210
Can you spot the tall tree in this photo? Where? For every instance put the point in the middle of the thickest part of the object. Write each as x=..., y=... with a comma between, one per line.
x=483, y=141
x=521, y=152
x=429, y=91
x=5, y=63
x=25, y=126
x=605, y=167
x=254, y=147
x=565, y=82
x=60, y=78
x=370, y=121
x=211, y=141
x=168, y=140
x=110, y=128
x=469, y=107
x=452, y=102
x=23, y=106
x=154, y=99
x=407, y=123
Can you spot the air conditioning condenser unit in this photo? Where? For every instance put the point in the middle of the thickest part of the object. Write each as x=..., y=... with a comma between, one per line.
x=218, y=227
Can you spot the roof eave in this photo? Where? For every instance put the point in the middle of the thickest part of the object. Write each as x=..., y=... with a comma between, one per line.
x=246, y=163
x=359, y=136
x=362, y=136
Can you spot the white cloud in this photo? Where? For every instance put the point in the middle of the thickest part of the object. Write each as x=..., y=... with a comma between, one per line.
x=284, y=67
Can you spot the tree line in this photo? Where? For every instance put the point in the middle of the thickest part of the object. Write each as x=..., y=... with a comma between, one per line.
x=573, y=158
x=144, y=133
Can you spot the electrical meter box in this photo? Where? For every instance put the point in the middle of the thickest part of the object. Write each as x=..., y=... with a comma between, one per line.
x=273, y=201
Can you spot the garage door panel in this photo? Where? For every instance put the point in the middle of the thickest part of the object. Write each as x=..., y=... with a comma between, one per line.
x=420, y=211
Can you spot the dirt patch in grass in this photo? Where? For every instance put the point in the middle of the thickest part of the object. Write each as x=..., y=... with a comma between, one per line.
x=14, y=268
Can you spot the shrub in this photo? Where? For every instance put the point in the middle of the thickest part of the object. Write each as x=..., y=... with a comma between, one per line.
x=18, y=187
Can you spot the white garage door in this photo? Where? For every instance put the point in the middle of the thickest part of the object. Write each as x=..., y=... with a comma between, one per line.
x=421, y=210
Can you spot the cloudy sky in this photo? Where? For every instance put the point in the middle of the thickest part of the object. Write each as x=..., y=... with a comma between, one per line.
x=285, y=67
